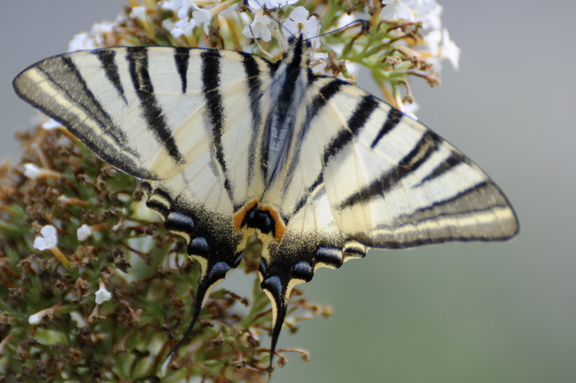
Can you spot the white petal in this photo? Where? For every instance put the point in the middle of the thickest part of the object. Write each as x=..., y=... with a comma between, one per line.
x=48, y=240
x=32, y=171
x=36, y=318
x=138, y=13
x=51, y=124
x=83, y=232
x=102, y=295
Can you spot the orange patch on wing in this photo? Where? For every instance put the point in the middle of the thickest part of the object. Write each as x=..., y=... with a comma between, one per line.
x=279, y=225
x=241, y=214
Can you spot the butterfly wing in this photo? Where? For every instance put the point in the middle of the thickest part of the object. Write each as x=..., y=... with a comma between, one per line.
x=362, y=174
x=185, y=121
x=393, y=183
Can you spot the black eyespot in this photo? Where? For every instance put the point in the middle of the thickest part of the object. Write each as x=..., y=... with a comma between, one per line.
x=331, y=256
x=218, y=271
x=274, y=285
x=303, y=270
x=177, y=221
x=199, y=246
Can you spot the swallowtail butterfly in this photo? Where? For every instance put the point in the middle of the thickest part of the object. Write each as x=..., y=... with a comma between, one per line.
x=227, y=143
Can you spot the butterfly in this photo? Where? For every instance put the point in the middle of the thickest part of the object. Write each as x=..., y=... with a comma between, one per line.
x=228, y=144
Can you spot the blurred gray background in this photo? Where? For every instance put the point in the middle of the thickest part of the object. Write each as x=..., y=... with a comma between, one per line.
x=474, y=313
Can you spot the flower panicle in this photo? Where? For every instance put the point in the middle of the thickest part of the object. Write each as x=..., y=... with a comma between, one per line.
x=409, y=31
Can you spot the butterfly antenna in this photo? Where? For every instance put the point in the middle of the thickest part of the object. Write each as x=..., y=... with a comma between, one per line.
x=365, y=27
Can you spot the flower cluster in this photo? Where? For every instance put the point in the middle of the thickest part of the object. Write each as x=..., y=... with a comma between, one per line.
x=395, y=40
x=428, y=12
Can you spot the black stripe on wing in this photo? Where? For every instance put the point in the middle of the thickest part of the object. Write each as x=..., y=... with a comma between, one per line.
x=108, y=59
x=318, y=103
x=318, y=182
x=481, y=197
x=79, y=95
x=215, y=109
x=425, y=147
x=80, y=110
x=325, y=93
x=280, y=122
x=393, y=119
x=357, y=121
x=138, y=65
x=182, y=59
x=255, y=92
x=449, y=163
x=359, y=117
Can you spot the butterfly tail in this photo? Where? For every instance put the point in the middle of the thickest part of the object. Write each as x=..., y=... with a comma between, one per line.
x=212, y=273
x=278, y=294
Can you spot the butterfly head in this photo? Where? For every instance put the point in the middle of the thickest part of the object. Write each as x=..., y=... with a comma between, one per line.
x=298, y=53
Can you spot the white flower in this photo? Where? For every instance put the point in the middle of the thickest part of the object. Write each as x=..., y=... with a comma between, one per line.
x=258, y=29
x=186, y=24
x=269, y=4
x=48, y=240
x=83, y=232
x=94, y=39
x=36, y=318
x=320, y=61
x=183, y=27
x=181, y=8
x=51, y=124
x=201, y=17
x=78, y=319
x=168, y=25
x=81, y=41
x=430, y=16
x=119, y=226
x=397, y=10
x=102, y=295
x=299, y=23
x=442, y=47
x=426, y=11
x=34, y=172
x=104, y=27
x=410, y=109
x=138, y=13
x=176, y=5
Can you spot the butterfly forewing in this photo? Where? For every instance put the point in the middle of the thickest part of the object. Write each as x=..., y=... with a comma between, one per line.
x=393, y=183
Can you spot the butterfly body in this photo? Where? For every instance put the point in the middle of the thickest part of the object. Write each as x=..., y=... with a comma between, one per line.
x=227, y=144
